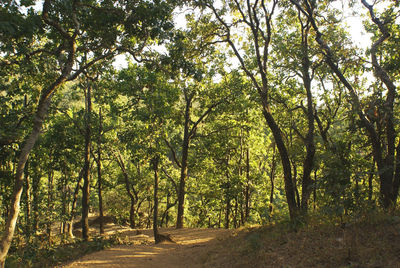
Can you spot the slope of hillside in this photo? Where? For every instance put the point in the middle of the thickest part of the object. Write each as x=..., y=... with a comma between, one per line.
x=368, y=243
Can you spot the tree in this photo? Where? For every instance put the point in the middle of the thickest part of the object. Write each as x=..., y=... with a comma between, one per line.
x=253, y=53
x=66, y=31
x=384, y=148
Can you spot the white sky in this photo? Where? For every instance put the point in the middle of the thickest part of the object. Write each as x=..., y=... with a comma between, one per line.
x=354, y=23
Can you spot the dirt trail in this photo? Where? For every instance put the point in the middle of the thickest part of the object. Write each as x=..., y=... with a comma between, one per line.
x=192, y=249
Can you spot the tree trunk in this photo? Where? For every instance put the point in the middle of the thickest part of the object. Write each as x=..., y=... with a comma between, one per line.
x=50, y=204
x=99, y=175
x=396, y=179
x=35, y=201
x=29, y=142
x=86, y=167
x=184, y=168
x=235, y=217
x=64, y=193
x=295, y=184
x=166, y=213
x=287, y=170
x=247, y=190
x=315, y=190
x=385, y=164
x=31, y=138
x=309, y=139
x=154, y=166
x=28, y=222
x=73, y=205
x=132, y=196
x=227, y=209
x=272, y=179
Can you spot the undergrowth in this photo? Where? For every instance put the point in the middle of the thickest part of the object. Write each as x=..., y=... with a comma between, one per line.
x=36, y=254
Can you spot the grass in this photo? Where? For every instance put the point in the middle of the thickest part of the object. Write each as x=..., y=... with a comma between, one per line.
x=369, y=241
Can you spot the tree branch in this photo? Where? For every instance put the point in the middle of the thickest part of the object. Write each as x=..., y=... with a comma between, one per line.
x=173, y=153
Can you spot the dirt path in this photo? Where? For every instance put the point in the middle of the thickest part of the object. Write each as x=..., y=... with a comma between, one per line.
x=192, y=249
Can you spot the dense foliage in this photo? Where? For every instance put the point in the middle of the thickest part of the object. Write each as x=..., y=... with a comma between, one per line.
x=227, y=113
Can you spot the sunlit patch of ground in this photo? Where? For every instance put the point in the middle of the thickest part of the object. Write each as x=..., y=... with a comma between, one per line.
x=188, y=250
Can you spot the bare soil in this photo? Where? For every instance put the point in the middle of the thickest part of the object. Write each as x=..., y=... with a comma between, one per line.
x=191, y=249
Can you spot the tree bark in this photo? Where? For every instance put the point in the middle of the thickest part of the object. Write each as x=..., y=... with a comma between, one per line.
x=35, y=200
x=261, y=83
x=86, y=167
x=247, y=190
x=227, y=207
x=50, y=203
x=64, y=193
x=132, y=196
x=235, y=217
x=184, y=164
x=29, y=142
x=99, y=174
x=28, y=210
x=154, y=166
x=309, y=140
x=272, y=180
x=30, y=139
x=73, y=205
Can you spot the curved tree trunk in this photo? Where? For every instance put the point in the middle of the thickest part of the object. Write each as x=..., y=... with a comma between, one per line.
x=30, y=141
x=287, y=170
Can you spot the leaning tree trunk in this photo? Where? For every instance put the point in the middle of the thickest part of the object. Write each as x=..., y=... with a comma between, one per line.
x=31, y=139
x=29, y=142
x=287, y=170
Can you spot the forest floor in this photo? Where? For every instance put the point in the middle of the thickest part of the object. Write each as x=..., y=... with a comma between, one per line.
x=367, y=242
x=190, y=248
